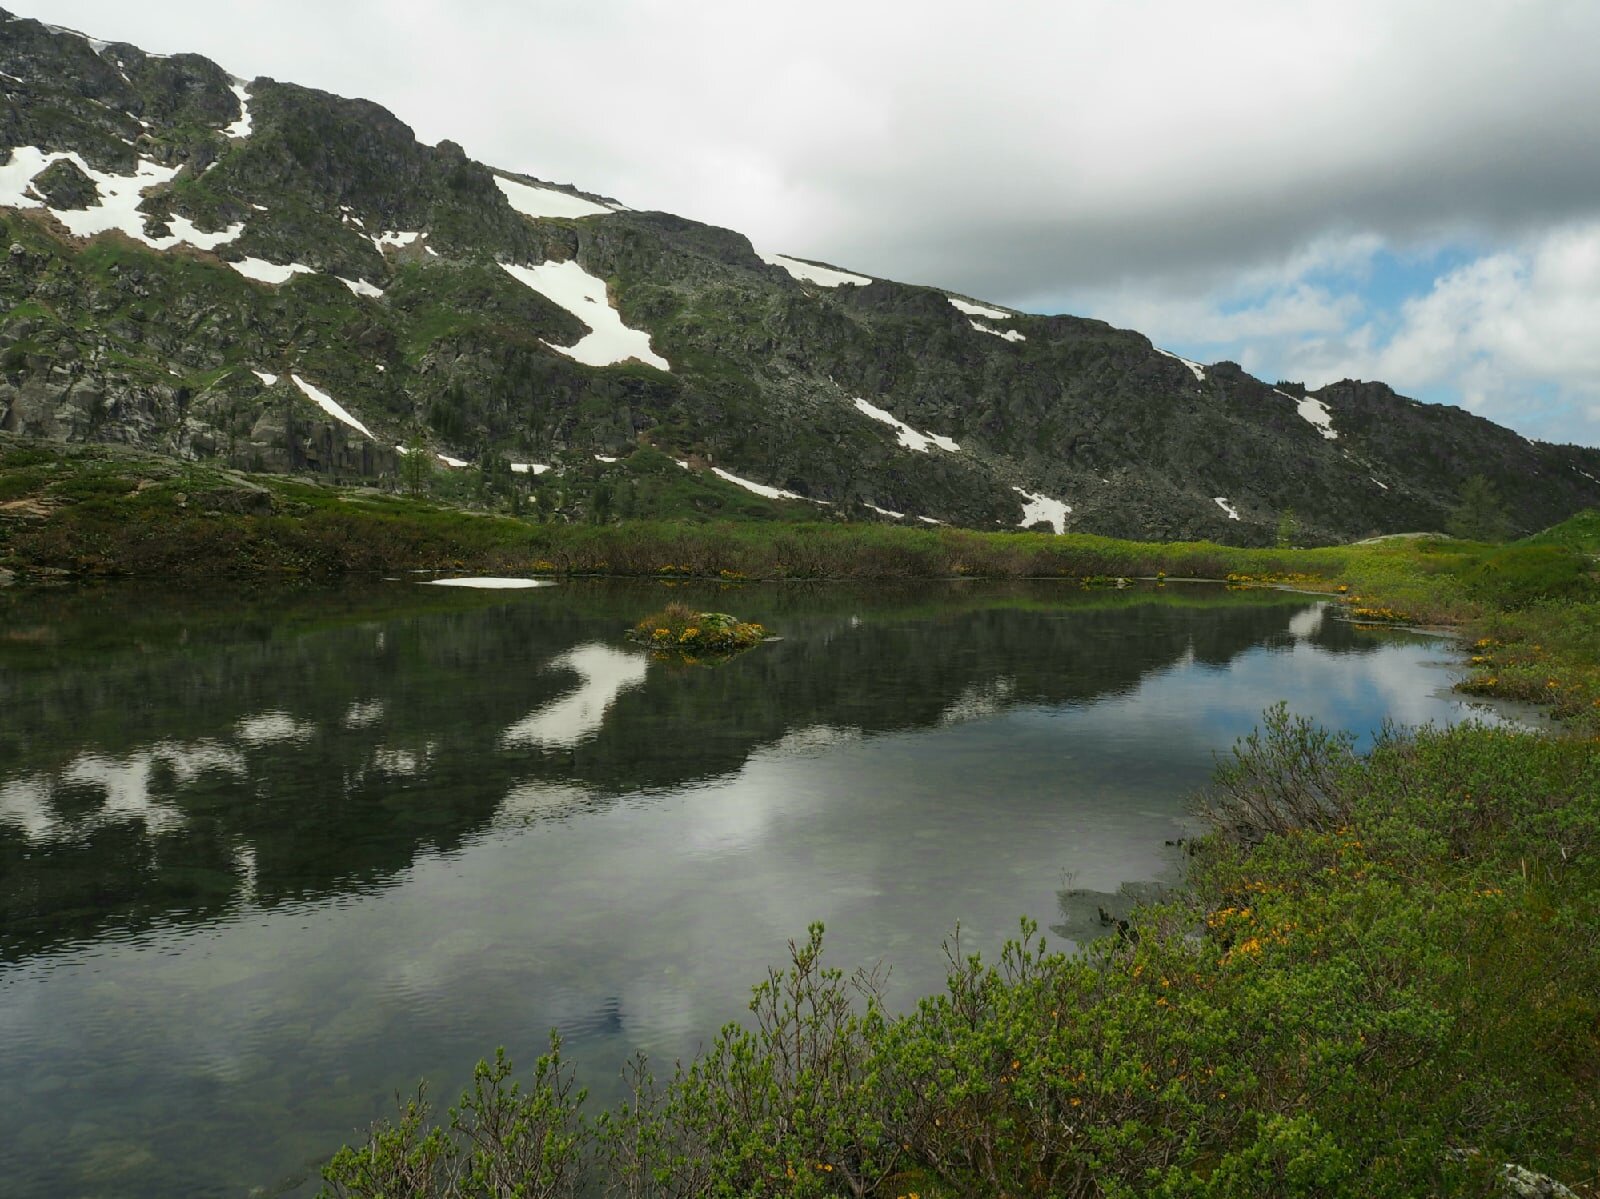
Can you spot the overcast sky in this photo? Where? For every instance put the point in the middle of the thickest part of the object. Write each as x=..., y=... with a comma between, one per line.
x=1366, y=188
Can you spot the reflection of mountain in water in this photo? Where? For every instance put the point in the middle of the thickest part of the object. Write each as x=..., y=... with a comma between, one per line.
x=172, y=766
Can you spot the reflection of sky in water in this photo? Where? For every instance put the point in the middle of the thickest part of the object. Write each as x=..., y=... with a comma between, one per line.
x=639, y=922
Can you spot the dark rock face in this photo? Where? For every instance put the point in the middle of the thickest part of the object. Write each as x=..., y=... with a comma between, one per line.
x=332, y=197
x=63, y=185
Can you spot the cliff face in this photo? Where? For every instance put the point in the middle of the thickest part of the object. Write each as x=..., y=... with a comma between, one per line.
x=287, y=280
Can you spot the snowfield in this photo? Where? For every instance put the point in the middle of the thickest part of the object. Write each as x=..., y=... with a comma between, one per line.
x=1041, y=507
x=909, y=437
x=394, y=238
x=1008, y=335
x=1317, y=413
x=1221, y=501
x=118, y=207
x=361, y=287
x=546, y=201
x=810, y=272
x=772, y=493
x=263, y=271
x=584, y=295
x=241, y=127
x=971, y=309
x=329, y=405
x=1195, y=368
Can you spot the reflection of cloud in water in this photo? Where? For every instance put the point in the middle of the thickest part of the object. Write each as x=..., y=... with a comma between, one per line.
x=270, y=728
x=29, y=803
x=401, y=762
x=1183, y=704
x=363, y=714
x=811, y=739
x=533, y=801
x=979, y=701
x=1308, y=623
x=605, y=672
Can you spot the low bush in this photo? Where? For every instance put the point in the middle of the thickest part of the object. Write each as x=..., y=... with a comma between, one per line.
x=679, y=629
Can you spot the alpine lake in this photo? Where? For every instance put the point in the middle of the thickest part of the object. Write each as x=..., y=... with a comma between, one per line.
x=269, y=856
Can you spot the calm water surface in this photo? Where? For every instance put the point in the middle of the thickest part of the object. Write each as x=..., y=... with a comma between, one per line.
x=267, y=858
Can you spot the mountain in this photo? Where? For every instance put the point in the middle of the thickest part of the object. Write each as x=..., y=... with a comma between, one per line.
x=287, y=280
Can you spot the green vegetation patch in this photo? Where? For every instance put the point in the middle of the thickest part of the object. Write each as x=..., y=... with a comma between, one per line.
x=679, y=629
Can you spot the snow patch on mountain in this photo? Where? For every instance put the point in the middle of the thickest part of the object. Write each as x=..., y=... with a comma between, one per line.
x=1041, y=507
x=771, y=493
x=329, y=405
x=540, y=202
x=887, y=512
x=609, y=341
x=971, y=309
x=1313, y=411
x=1008, y=335
x=909, y=437
x=394, y=238
x=361, y=287
x=1221, y=501
x=241, y=127
x=267, y=379
x=1379, y=482
x=528, y=468
x=119, y=199
x=263, y=271
x=810, y=272
x=1198, y=370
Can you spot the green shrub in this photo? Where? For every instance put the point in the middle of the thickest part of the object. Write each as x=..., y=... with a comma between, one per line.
x=1520, y=575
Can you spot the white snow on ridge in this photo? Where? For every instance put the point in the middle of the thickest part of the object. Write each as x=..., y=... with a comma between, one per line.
x=1221, y=501
x=241, y=127
x=266, y=378
x=609, y=341
x=452, y=463
x=759, y=489
x=547, y=201
x=1042, y=507
x=263, y=271
x=1008, y=335
x=1379, y=482
x=810, y=272
x=118, y=207
x=528, y=468
x=1198, y=370
x=971, y=309
x=394, y=238
x=1586, y=474
x=328, y=404
x=887, y=512
x=361, y=287
x=909, y=437
x=1313, y=411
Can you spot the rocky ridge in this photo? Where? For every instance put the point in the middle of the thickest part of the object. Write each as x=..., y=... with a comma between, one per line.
x=277, y=278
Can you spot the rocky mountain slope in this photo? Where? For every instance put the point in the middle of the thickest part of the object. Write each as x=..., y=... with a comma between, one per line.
x=283, y=279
